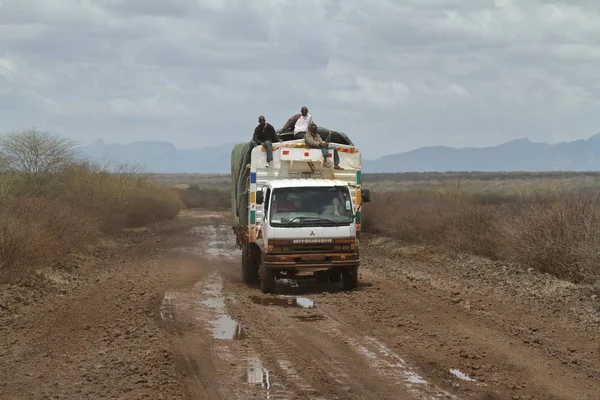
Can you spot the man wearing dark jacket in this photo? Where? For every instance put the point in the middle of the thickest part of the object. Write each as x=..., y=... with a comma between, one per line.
x=264, y=134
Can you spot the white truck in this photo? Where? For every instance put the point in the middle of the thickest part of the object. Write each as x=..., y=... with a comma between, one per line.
x=298, y=217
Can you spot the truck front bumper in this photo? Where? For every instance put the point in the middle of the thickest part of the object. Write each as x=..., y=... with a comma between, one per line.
x=311, y=261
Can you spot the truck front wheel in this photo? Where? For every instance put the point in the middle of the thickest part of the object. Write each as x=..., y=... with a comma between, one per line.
x=267, y=279
x=335, y=275
x=350, y=277
x=322, y=276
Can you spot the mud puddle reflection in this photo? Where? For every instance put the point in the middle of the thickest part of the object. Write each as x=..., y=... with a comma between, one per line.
x=214, y=242
x=461, y=375
x=223, y=326
x=283, y=301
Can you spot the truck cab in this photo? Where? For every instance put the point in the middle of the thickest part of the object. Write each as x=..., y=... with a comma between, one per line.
x=308, y=227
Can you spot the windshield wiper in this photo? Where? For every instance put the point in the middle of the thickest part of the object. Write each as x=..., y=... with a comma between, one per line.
x=304, y=218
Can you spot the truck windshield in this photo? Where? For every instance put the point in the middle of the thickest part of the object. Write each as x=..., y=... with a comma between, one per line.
x=311, y=206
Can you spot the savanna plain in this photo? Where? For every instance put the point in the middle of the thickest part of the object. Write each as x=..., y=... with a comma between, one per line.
x=118, y=284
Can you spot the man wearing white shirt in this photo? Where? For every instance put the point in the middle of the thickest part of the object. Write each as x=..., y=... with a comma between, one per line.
x=302, y=123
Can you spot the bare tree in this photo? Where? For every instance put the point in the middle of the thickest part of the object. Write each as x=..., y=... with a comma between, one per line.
x=34, y=156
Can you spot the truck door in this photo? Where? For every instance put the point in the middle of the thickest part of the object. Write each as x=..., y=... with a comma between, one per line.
x=264, y=226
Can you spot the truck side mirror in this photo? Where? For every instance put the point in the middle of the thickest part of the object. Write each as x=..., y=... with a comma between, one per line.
x=366, y=195
x=260, y=197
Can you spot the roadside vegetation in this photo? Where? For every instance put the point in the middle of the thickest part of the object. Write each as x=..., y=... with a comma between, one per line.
x=52, y=203
x=553, y=229
x=548, y=221
x=213, y=198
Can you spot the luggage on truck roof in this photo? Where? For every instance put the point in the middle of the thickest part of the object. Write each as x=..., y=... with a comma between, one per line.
x=326, y=134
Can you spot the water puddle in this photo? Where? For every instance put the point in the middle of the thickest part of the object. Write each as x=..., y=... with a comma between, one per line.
x=260, y=377
x=461, y=375
x=303, y=302
x=223, y=326
x=215, y=242
x=256, y=374
x=283, y=301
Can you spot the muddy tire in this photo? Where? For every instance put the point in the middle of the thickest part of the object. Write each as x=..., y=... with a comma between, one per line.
x=350, y=277
x=322, y=276
x=249, y=271
x=335, y=276
x=267, y=279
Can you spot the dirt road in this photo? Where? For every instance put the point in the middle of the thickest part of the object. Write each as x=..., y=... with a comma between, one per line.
x=163, y=314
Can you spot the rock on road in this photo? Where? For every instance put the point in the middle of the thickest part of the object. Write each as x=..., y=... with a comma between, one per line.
x=163, y=314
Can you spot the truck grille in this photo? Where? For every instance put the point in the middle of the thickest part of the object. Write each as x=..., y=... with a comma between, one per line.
x=309, y=247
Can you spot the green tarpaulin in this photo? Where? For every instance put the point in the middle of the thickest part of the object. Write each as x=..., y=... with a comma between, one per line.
x=240, y=157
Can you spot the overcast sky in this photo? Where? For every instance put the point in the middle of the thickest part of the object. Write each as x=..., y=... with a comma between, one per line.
x=393, y=74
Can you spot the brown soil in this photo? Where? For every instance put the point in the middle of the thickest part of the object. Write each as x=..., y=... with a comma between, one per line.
x=161, y=313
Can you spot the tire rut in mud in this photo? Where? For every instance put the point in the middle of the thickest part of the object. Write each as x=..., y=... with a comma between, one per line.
x=327, y=356
x=282, y=352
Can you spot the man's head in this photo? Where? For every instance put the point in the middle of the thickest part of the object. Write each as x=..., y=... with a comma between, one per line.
x=262, y=121
x=304, y=111
x=312, y=128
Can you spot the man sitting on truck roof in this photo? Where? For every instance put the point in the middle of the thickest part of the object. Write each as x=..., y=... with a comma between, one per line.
x=292, y=125
x=302, y=123
x=264, y=134
x=313, y=140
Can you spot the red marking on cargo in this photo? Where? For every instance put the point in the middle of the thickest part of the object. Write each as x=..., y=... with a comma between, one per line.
x=286, y=152
x=306, y=154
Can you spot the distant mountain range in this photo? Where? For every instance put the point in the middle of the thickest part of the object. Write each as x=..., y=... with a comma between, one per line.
x=516, y=155
x=161, y=157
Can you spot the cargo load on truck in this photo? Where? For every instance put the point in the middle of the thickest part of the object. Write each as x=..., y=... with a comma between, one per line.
x=305, y=175
x=325, y=133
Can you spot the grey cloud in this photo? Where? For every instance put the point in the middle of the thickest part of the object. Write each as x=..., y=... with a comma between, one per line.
x=452, y=72
x=156, y=8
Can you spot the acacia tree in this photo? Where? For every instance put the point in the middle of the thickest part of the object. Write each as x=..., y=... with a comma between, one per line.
x=34, y=156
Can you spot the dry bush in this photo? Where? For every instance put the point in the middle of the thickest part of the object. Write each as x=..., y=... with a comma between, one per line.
x=119, y=199
x=553, y=232
x=52, y=204
x=196, y=196
x=38, y=231
x=559, y=235
x=80, y=202
x=151, y=203
x=431, y=217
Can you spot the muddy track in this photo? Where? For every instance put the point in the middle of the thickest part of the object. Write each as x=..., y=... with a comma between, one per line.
x=277, y=347
x=168, y=317
x=391, y=339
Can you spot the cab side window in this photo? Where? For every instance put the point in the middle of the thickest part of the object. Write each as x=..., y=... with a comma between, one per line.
x=267, y=202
